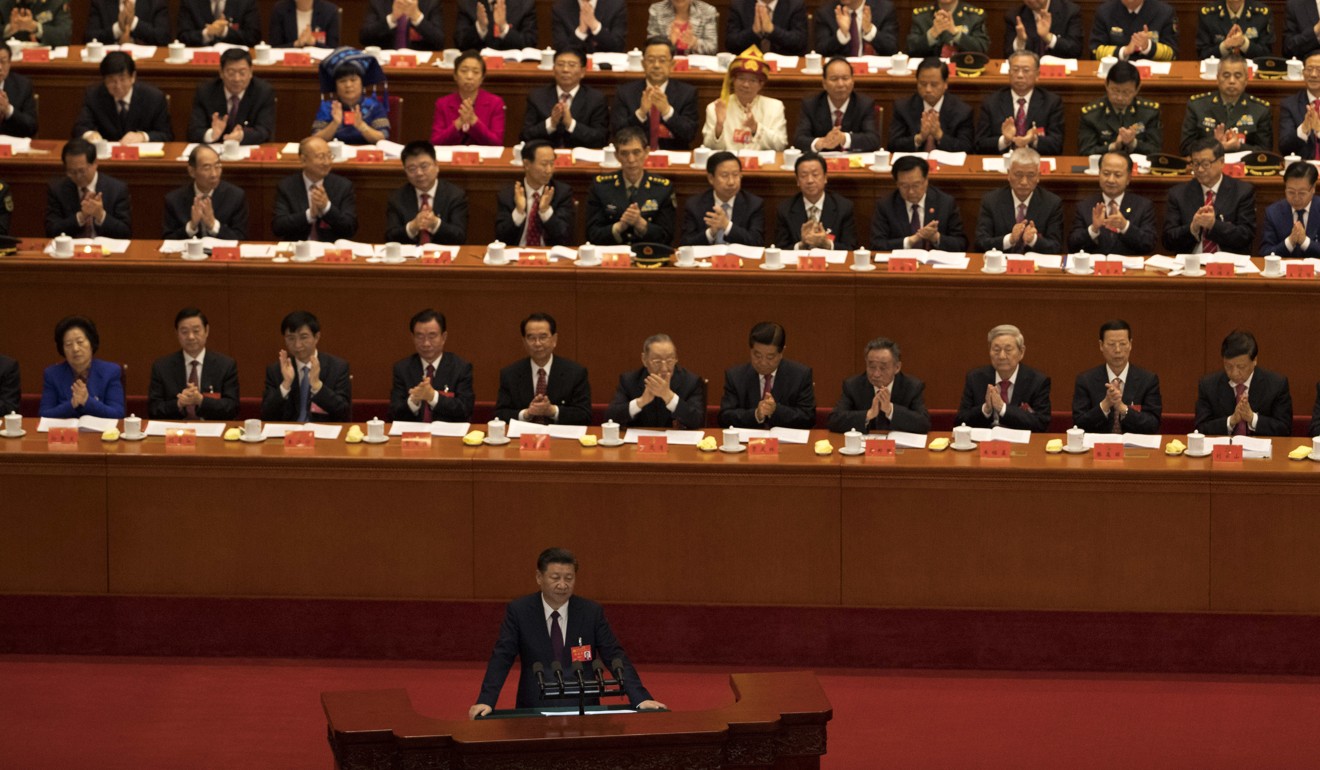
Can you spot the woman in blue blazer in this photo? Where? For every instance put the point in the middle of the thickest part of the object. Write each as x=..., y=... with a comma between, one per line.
x=82, y=384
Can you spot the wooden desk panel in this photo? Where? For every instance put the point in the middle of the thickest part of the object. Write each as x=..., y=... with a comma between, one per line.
x=1264, y=534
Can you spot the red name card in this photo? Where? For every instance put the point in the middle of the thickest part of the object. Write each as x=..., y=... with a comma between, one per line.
x=657, y=161
x=370, y=156
x=681, y=64
x=266, y=154
x=338, y=255
x=297, y=58
x=36, y=55
x=533, y=259
x=1044, y=164
x=437, y=258
x=1219, y=270
x=415, y=440
x=1144, y=71
x=902, y=264
x=299, y=439
x=763, y=446
x=124, y=152
x=750, y=163
x=1052, y=71
x=616, y=260
x=1300, y=270
x=206, y=57
x=1108, y=451
x=1226, y=453
x=1021, y=266
x=934, y=165
x=1235, y=169
x=534, y=442
x=62, y=438
x=494, y=62
x=181, y=439
x=1109, y=267
x=89, y=252
x=653, y=445
x=225, y=253
x=726, y=262
x=859, y=68
x=816, y=264
x=6, y=151
x=881, y=448
x=466, y=158
x=836, y=164
x=563, y=159
x=994, y=450
x=403, y=60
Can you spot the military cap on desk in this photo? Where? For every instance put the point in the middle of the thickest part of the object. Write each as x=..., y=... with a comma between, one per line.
x=1164, y=164
x=1271, y=67
x=8, y=245
x=1264, y=164
x=652, y=254
x=970, y=64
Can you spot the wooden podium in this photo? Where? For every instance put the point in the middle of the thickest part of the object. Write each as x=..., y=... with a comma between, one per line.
x=776, y=721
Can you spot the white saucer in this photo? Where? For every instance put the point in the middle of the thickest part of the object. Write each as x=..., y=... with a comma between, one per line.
x=280, y=259
x=899, y=73
x=818, y=71
x=486, y=261
x=615, y=164
x=20, y=434
x=765, y=266
x=729, y=451
x=1203, y=453
x=852, y=453
x=494, y=442
x=53, y=255
x=989, y=271
x=388, y=261
x=957, y=448
x=879, y=169
x=311, y=258
x=138, y=437
x=1264, y=274
x=687, y=267
x=615, y=442
x=374, y=260
x=1313, y=456
x=1197, y=274
x=185, y=257
x=1089, y=172
x=1075, y=271
x=370, y=440
x=1081, y=451
x=257, y=439
x=861, y=268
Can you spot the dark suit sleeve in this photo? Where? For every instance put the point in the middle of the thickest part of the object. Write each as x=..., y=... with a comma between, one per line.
x=1237, y=232
x=453, y=222
x=791, y=38
x=618, y=408
x=1315, y=414
x=274, y=406
x=1140, y=236
x=683, y=123
x=290, y=220
x=985, y=227
x=754, y=233
x=225, y=407
x=175, y=222
x=591, y=127
x=260, y=127
x=969, y=407
x=881, y=237
x=1147, y=418
x=458, y=406
x=613, y=30
x=1298, y=37
x=731, y=413
x=160, y=403
x=885, y=41
x=802, y=412
x=785, y=238
x=738, y=32
x=86, y=120
x=1289, y=142
x=1052, y=141
x=332, y=31
x=199, y=120
x=847, y=413
x=911, y=417
x=501, y=659
x=57, y=219
x=1275, y=417
x=846, y=238
x=505, y=407
x=953, y=236
x=342, y=216
x=1207, y=421
x=1273, y=240
x=335, y=395
x=608, y=646
x=901, y=136
x=234, y=222
x=691, y=409
x=1177, y=223
x=118, y=222
x=1049, y=234
x=97, y=27
x=865, y=140
x=1068, y=45
x=988, y=130
x=396, y=220
x=660, y=228
x=599, y=227
x=399, y=387
x=958, y=135
x=24, y=120
x=153, y=28
x=248, y=32
x=1086, y=411
x=576, y=409
x=505, y=230
x=1037, y=418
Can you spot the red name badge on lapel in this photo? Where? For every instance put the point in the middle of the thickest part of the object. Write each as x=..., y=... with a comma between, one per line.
x=616, y=260
x=180, y=439
x=993, y=450
x=124, y=152
x=1021, y=266
x=494, y=62
x=657, y=161
x=415, y=440
x=211, y=58
x=466, y=158
x=815, y=264
x=534, y=442
x=1219, y=270
x=370, y=156
x=582, y=653
x=1052, y=71
x=338, y=255
x=6, y=151
x=534, y=259
x=1226, y=453
x=36, y=55
x=225, y=253
x=902, y=265
x=1108, y=451
x=726, y=262
x=881, y=448
x=403, y=60
x=265, y=154
x=1300, y=270
x=299, y=439
x=836, y=164
x=751, y=163
x=763, y=446
x=297, y=58
x=437, y=258
x=62, y=438
x=658, y=445
x=1109, y=267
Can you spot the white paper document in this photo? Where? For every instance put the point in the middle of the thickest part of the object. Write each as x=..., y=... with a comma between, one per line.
x=676, y=437
x=178, y=247
x=1000, y=433
x=86, y=423
x=1135, y=440
x=791, y=435
x=437, y=428
x=202, y=429
x=256, y=250
x=1046, y=261
x=323, y=432
x=518, y=428
x=905, y=440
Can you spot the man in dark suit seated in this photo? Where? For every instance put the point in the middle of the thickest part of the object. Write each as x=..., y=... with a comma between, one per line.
x=1292, y=225
x=236, y=22
x=658, y=103
x=916, y=215
x=1021, y=217
x=306, y=385
x=856, y=28
x=1210, y=212
x=773, y=27
x=815, y=218
x=1048, y=27
x=45, y=22
x=1117, y=397
x=500, y=24
x=1243, y=400
x=427, y=209
x=404, y=24
x=144, y=22
x=322, y=29
x=1021, y=115
x=837, y=119
x=882, y=398
x=536, y=631
x=18, y=110
x=724, y=213
x=431, y=384
x=121, y=109
x=630, y=205
x=1299, y=115
x=193, y=383
x=235, y=105
x=209, y=206
x=932, y=118
x=602, y=26
x=314, y=204
x=1007, y=392
x=85, y=203
x=1114, y=221
x=10, y=388
x=567, y=112
x=1301, y=36
x=543, y=387
x=6, y=207
x=661, y=394
x=770, y=391
x=538, y=211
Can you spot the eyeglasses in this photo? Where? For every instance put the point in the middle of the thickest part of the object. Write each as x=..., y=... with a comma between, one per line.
x=1200, y=164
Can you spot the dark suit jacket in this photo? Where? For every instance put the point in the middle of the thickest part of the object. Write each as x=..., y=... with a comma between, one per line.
x=682, y=124
x=1065, y=25
x=290, y=222
x=227, y=201
x=10, y=388
x=244, y=22
x=891, y=221
x=955, y=121
x=524, y=635
x=1044, y=110
x=1139, y=240
x=999, y=213
x=1235, y=216
x=1268, y=396
x=613, y=18
x=218, y=382
x=690, y=412
x=748, y=220
x=147, y=111
x=105, y=391
x=450, y=204
x=816, y=118
x=256, y=111
x=427, y=36
x=1141, y=392
x=1315, y=415
x=63, y=202
x=1030, y=406
x=883, y=17
x=789, y=37
x=906, y=394
x=836, y=214
x=557, y=231
x=793, y=389
x=24, y=120
x=1292, y=113
x=1279, y=220
x=567, y=388
x=1299, y=29
x=335, y=398
x=591, y=118
x=153, y=22
x=521, y=17
x=284, y=23
x=453, y=378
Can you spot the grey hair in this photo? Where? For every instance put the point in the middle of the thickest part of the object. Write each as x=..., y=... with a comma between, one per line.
x=654, y=338
x=884, y=343
x=1023, y=156
x=1008, y=330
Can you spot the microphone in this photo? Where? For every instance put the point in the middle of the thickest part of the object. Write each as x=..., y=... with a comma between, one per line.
x=557, y=669
x=577, y=674
x=539, y=671
x=599, y=669
x=616, y=666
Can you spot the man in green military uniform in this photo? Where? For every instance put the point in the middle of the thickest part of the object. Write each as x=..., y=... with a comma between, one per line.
x=630, y=205
x=1237, y=119
x=947, y=28
x=6, y=207
x=1234, y=26
x=42, y=21
x=1120, y=122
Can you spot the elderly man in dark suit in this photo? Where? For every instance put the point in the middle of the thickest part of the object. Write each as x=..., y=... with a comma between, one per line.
x=404, y=24
x=567, y=112
x=427, y=209
x=916, y=215
x=18, y=110
x=658, y=100
x=144, y=22
x=1301, y=36
x=543, y=387
x=1022, y=114
x=10, y=388
x=769, y=391
x=815, y=218
x=599, y=27
x=778, y=27
x=724, y=213
x=1299, y=115
x=1117, y=397
x=314, y=204
x=1023, y=216
x=1007, y=392
x=838, y=118
x=433, y=383
x=661, y=394
x=882, y=398
x=1114, y=221
x=193, y=383
x=1292, y=225
x=207, y=22
x=85, y=203
x=932, y=118
x=121, y=109
x=539, y=210
x=208, y=206
x=499, y=24
x=1048, y=27
x=856, y=28
x=305, y=384
x=235, y=105
x=1243, y=399
x=1210, y=212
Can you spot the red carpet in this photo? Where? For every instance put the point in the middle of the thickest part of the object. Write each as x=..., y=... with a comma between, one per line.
x=58, y=713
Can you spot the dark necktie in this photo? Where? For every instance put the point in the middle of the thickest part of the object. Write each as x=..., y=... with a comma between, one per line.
x=1117, y=426
x=534, y=222
x=769, y=385
x=1004, y=385
x=424, y=235
x=89, y=227
x=556, y=637
x=1020, y=120
x=304, y=393
x=916, y=226
x=1241, y=428
x=1208, y=246
x=855, y=35
x=401, y=32
x=540, y=391
x=426, y=405
x=838, y=118
x=193, y=381
x=233, y=116
x=123, y=117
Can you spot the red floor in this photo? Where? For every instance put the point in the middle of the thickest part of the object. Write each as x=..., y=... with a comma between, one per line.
x=59, y=713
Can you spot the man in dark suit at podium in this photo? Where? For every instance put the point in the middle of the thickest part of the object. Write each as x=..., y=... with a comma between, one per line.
x=543, y=387
x=208, y=206
x=661, y=394
x=724, y=213
x=882, y=398
x=1117, y=397
x=1243, y=399
x=216, y=117
x=553, y=625
x=432, y=384
x=769, y=391
x=193, y=383
x=1007, y=392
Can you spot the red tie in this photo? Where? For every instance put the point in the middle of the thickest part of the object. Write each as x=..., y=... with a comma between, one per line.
x=654, y=128
x=1021, y=119
x=1117, y=427
x=534, y=221
x=1241, y=428
x=401, y=32
x=855, y=35
x=1021, y=212
x=838, y=118
x=540, y=391
x=424, y=236
x=233, y=115
x=192, y=382
x=1208, y=246
x=769, y=385
x=426, y=405
x=1004, y=385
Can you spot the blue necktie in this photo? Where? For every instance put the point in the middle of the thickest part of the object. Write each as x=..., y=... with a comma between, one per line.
x=304, y=393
